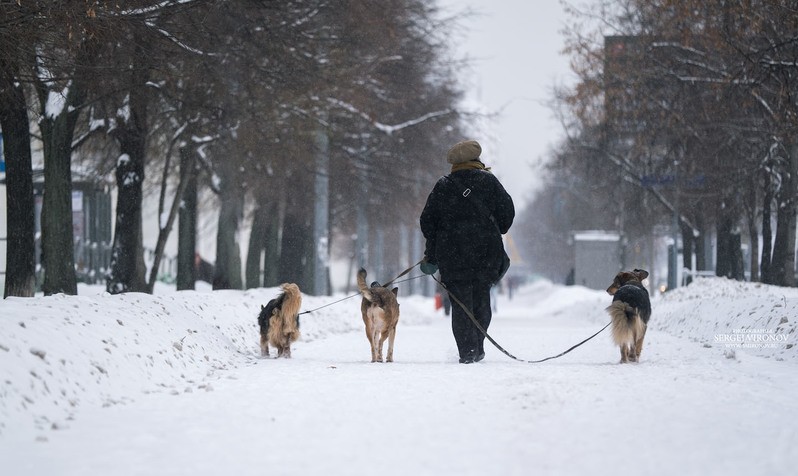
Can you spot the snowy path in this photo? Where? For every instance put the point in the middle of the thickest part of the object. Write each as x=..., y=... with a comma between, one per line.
x=684, y=410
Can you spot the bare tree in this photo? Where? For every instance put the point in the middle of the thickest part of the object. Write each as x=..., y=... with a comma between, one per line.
x=20, y=247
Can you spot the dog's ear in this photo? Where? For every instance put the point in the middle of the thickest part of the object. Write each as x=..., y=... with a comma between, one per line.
x=621, y=278
x=613, y=287
x=641, y=274
x=262, y=307
x=395, y=291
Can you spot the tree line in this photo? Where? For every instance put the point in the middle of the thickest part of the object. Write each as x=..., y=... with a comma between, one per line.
x=683, y=117
x=252, y=100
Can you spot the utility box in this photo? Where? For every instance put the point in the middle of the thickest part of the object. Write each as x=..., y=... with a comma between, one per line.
x=597, y=258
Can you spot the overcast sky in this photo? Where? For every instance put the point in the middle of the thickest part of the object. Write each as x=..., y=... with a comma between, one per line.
x=515, y=47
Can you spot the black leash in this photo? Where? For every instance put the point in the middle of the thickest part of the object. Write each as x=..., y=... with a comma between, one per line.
x=329, y=304
x=485, y=333
x=468, y=313
x=384, y=285
x=403, y=273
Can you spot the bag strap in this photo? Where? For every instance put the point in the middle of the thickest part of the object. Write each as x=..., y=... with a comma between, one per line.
x=483, y=210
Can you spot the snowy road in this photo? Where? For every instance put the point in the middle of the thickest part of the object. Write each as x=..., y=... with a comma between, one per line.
x=685, y=409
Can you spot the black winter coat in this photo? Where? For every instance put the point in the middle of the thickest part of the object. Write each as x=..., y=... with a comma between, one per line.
x=459, y=238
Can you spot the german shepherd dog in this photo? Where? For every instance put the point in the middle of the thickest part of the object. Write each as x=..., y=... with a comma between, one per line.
x=380, y=311
x=630, y=311
x=279, y=321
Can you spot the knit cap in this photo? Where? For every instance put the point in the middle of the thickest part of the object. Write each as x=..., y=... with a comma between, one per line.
x=464, y=151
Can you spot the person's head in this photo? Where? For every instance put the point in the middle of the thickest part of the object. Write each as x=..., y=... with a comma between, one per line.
x=464, y=151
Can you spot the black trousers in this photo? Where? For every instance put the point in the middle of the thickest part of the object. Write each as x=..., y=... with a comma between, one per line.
x=475, y=295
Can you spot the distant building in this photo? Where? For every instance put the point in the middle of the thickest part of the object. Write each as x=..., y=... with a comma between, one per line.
x=597, y=258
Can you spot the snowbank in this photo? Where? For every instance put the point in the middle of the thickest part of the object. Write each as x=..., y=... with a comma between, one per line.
x=736, y=316
x=59, y=353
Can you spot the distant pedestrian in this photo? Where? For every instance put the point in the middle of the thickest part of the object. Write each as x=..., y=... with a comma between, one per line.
x=465, y=215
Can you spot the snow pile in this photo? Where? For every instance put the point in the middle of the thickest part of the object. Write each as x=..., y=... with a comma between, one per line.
x=60, y=353
x=735, y=316
x=544, y=298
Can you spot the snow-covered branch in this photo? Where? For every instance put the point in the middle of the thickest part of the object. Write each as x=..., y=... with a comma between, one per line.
x=204, y=139
x=155, y=8
x=94, y=126
x=387, y=128
x=176, y=41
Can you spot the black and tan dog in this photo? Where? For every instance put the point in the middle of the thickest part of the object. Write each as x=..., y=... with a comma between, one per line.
x=380, y=311
x=630, y=311
x=279, y=321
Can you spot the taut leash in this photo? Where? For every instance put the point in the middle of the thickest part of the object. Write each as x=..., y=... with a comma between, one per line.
x=328, y=304
x=358, y=294
x=485, y=333
x=403, y=273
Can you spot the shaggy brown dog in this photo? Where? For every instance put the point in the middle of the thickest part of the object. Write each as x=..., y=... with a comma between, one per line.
x=630, y=311
x=279, y=321
x=380, y=312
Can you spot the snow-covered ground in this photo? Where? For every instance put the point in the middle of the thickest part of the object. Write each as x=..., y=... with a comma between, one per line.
x=171, y=384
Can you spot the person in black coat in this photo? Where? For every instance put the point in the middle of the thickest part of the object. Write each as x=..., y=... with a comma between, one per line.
x=463, y=220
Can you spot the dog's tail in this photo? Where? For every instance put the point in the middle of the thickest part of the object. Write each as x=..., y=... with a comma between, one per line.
x=361, y=285
x=291, y=300
x=626, y=322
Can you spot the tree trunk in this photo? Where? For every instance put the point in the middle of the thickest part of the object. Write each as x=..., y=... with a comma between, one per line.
x=20, y=212
x=737, y=263
x=688, y=245
x=227, y=272
x=187, y=225
x=700, y=245
x=166, y=228
x=127, y=256
x=128, y=270
x=753, y=232
x=272, y=246
x=296, y=258
x=783, y=262
x=767, y=233
x=257, y=243
x=753, y=237
x=729, y=253
x=58, y=253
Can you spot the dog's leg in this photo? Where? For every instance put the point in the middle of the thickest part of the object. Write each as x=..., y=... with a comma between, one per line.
x=376, y=356
x=632, y=352
x=370, y=334
x=376, y=347
x=287, y=353
x=264, y=346
x=391, y=336
x=624, y=353
x=373, y=335
x=372, y=346
x=639, y=344
x=383, y=336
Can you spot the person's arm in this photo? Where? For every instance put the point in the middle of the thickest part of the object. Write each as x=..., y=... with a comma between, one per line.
x=429, y=225
x=504, y=214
